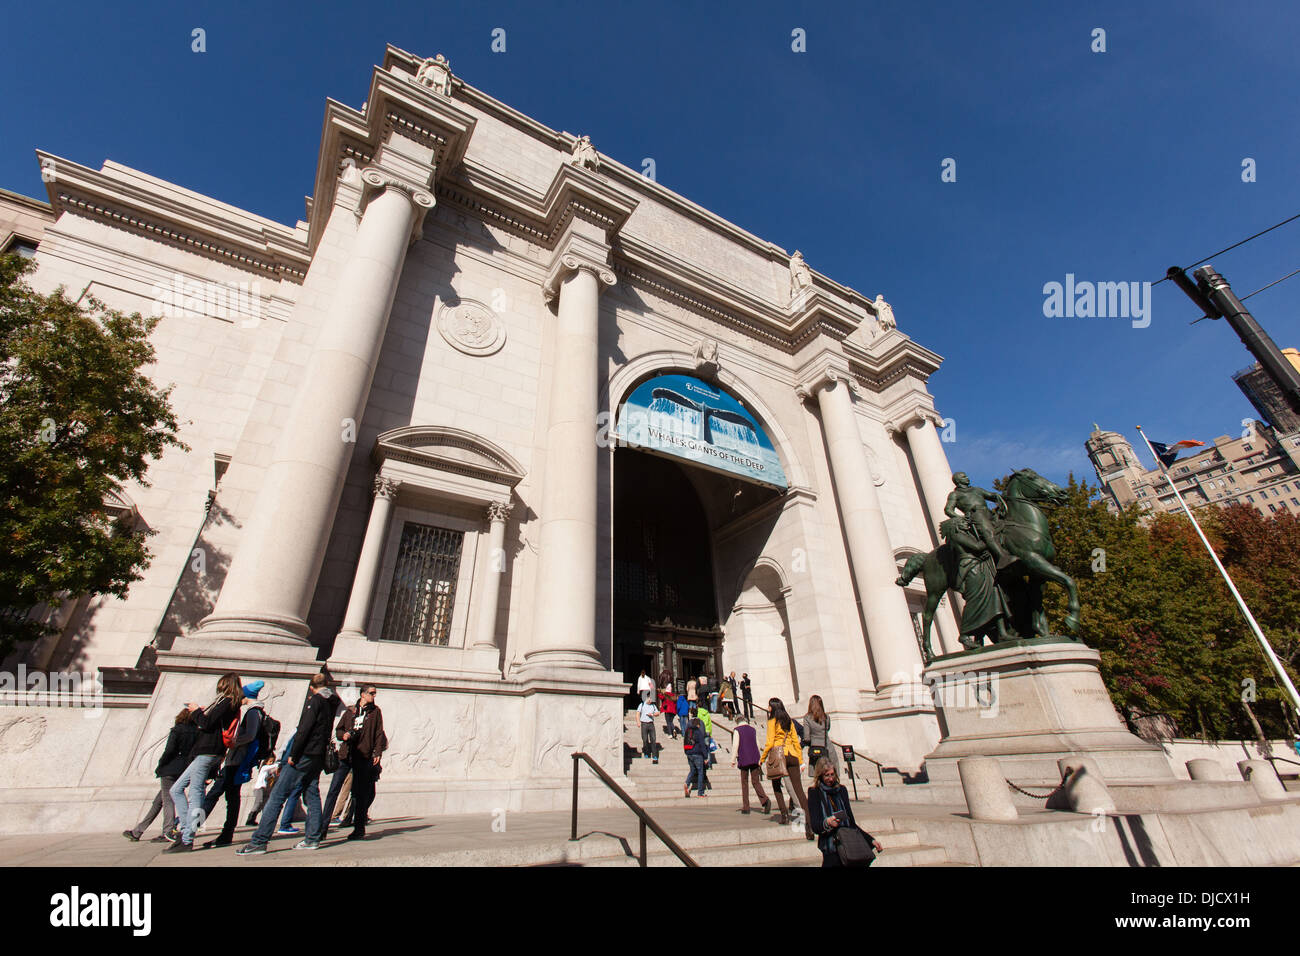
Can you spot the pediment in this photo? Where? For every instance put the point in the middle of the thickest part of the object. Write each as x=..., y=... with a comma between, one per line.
x=442, y=448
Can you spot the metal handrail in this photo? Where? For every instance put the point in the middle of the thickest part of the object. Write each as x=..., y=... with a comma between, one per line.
x=642, y=816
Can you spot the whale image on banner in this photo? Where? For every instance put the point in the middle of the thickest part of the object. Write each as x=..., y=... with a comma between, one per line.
x=683, y=417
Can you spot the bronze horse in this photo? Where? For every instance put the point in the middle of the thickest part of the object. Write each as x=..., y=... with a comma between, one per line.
x=1024, y=534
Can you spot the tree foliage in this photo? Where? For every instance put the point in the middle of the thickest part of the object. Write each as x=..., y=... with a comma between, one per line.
x=78, y=418
x=1172, y=639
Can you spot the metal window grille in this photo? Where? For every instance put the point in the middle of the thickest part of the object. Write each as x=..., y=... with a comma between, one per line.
x=423, y=594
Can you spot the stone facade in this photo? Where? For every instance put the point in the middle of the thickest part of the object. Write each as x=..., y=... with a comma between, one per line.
x=438, y=345
x=1260, y=468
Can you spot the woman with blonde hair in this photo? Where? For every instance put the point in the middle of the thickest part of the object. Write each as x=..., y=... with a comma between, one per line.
x=817, y=737
x=831, y=819
x=218, y=724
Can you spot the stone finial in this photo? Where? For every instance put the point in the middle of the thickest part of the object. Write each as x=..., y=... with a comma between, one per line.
x=800, y=275
x=584, y=154
x=884, y=313
x=435, y=73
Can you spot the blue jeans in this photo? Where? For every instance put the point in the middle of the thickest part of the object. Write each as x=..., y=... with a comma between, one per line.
x=696, y=772
x=304, y=777
x=188, y=809
x=290, y=807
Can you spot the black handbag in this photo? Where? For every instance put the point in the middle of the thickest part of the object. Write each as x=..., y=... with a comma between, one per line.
x=331, y=757
x=850, y=843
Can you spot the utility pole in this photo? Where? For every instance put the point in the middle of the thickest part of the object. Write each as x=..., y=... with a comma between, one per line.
x=1214, y=297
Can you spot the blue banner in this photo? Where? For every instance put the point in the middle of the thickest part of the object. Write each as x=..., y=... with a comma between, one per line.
x=683, y=417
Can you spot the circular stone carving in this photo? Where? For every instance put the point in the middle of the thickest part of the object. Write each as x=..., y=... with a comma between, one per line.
x=471, y=327
x=21, y=734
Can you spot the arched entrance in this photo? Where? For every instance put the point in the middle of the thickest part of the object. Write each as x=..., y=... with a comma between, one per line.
x=694, y=461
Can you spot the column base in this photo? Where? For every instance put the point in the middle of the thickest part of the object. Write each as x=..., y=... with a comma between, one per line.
x=562, y=658
x=251, y=627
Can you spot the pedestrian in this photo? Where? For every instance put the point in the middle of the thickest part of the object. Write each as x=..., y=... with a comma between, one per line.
x=735, y=690
x=665, y=680
x=645, y=686
x=831, y=814
x=215, y=723
x=362, y=732
x=727, y=701
x=695, y=745
x=341, y=782
x=706, y=723
x=668, y=706
x=691, y=698
x=702, y=691
x=747, y=759
x=646, y=714
x=175, y=758
x=293, y=801
x=747, y=695
x=302, y=767
x=713, y=696
x=816, y=737
x=781, y=734
x=242, y=751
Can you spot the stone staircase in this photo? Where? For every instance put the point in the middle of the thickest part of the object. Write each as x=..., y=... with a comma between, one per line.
x=660, y=785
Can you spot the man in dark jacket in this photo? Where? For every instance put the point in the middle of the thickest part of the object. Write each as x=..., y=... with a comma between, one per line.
x=304, y=763
x=362, y=732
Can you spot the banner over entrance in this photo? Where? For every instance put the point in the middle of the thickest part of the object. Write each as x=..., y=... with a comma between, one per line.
x=683, y=417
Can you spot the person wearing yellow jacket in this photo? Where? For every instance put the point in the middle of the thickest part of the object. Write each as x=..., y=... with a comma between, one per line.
x=781, y=732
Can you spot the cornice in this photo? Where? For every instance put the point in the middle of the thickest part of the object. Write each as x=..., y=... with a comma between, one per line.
x=889, y=359
x=825, y=368
x=123, y=198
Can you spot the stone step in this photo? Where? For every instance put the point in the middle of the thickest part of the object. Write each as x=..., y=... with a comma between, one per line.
x=788, y=852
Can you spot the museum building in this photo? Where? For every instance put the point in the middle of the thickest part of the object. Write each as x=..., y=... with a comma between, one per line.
x=500, y=424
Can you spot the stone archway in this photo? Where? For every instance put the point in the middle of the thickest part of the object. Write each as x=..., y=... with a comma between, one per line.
x=758, y=634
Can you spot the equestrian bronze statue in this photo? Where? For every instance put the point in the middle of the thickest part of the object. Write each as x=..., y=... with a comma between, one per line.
x=997, y=561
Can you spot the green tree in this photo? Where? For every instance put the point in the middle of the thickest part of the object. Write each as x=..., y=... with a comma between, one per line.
x=78, y=418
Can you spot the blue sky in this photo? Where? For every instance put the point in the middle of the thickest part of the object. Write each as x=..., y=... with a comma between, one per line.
x=1108, y=166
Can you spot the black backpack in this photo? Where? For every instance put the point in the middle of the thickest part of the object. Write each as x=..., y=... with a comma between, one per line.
x=267, y=735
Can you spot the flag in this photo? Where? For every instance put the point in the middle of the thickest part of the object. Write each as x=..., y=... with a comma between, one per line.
x=1168, y=454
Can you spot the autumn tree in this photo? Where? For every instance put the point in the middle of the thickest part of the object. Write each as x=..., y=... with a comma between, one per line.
x=78, y=418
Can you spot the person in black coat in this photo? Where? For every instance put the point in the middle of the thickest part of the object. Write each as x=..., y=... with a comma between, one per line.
x=829, y=810
x=175, y=758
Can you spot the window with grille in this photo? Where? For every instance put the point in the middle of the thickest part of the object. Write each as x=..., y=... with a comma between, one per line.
x=423, y=594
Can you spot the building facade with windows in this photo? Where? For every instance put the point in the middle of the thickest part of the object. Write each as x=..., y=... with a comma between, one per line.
x=498, y=425
x=1260, y=468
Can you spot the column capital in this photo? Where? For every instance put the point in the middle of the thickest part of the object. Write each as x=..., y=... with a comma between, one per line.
x=918, y=415
x=386, y=487
x=821, y=373
x=575, y=254
x=376, y=179
x=499, y=510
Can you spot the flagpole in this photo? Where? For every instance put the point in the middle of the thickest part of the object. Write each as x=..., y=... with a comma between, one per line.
x=1241, y=603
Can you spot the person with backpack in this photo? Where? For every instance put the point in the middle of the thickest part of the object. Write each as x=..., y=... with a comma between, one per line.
x=215, y=723
x=683, y=712
x=363, y=735
x=237, y=767
x=830, y=817
x=783, y=746
x=302, y=768
x=816, y=737
x=175, y=758
x=695, y=744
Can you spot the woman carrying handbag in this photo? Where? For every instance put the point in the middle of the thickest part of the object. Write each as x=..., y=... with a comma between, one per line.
x=831, y=817
x=781, y=758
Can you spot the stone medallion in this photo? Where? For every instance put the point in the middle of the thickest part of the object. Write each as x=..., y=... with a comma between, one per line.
x=471, y=327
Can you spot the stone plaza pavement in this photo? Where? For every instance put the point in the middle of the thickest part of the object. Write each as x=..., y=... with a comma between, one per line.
x=715, y=835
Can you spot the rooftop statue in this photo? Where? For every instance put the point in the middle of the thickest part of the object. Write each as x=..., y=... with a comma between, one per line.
x=884, y=313
x=435, y=73
x=998, y=563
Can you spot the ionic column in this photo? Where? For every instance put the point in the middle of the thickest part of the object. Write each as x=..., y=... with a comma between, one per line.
x=931, y=462
x=490, y=586
x=564, y=623
x=372, y=555
x=272, y=577
x=884, y=607
x=936, y=484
